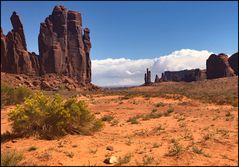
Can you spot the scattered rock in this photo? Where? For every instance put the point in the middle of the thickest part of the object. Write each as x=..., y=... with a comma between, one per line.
x=111, y=160
x=110, y=148
x=29, y=84
x=14, y=141
x=19, y=78
x=35, y=83
x=45, y=85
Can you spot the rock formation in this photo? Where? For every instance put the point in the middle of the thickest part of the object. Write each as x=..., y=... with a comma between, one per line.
x=233, y=61
x=147, y=77
x=184, y=75
x=156, y=79
x=63, y=47
x=217, y=66
x=3, y=51
x=64, y=52
x=14, y=55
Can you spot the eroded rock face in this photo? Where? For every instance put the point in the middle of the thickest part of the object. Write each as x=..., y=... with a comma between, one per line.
x=233, y=61
x=217, y=66
x=63, y=47
x=18, y=28
x=3, y=51
x=184, y=75
x=14, y=55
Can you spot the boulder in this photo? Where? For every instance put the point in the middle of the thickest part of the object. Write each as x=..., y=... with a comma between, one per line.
x=111, y=160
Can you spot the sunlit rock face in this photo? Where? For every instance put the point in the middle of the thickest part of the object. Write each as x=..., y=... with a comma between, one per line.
x=64, y=47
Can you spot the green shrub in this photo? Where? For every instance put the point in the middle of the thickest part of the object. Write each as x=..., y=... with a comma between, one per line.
x=175, y=148
x=125, y=159
x=32, y=148
x=133, y=120
x=52, y=117
x=10, y=158
x=107, y=118
x=154, y=110
x=170, y=110
x=10, y=95
x=160, y=104
x=197, y=150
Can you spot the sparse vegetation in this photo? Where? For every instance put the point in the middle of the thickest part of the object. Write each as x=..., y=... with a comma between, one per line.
x=170, y=110
x=156, y=145
x=107, y=118
x=197, y=150
x=229, y=116
x=160, y=104
x=158, y=129
x=134, y=120
x=152, y=115
x=147, y=159
x=69, y=154
x=174, y=149
x=207, y=136
x=125, y=159
x=10, y=158
x=154, y=110
x=53, y=117
x=114, y=122
x=32, y=148
x=11, y=95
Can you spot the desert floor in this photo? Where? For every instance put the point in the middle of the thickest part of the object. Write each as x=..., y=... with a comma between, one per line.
x=193, y=133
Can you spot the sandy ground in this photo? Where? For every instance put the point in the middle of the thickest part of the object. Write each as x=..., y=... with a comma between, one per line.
x=205, y=134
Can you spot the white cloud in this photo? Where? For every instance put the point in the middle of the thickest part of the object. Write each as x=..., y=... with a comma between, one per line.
x=125, y=72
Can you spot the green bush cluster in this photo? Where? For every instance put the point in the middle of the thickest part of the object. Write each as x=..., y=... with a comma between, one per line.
x=10, y=158
x=51, y=117
x=10, y=95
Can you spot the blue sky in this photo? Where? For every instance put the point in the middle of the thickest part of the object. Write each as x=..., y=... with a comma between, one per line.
x=128, y=37
x=139, y=30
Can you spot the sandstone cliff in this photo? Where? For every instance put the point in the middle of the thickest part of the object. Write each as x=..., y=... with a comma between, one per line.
x=63, y=47
x=233, y=61
x=217, y=66
x=64, y=52
x=14, y=55
x=184, y=75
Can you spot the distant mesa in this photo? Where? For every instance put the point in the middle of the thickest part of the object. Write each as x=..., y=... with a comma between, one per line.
x=64, y=49
x=184, y=75
x=217, y=66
